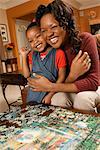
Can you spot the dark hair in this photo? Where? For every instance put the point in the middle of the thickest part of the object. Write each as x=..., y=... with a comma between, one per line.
x=32, y=25
x=63, y=13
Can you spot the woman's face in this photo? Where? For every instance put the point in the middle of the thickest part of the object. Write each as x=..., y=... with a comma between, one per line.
x=52, y=32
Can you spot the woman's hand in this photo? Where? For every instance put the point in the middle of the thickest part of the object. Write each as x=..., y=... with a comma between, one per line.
x=39, y=83
x=80, y=65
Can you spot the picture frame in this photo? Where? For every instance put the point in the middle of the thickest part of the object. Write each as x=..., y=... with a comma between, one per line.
x=3, y=32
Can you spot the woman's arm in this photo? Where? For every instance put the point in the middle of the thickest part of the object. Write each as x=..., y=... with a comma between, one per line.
x=41, y=83
x=80, y=66
x=89, y=81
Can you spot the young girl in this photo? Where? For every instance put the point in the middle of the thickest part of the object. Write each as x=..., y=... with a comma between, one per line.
x=43, y=60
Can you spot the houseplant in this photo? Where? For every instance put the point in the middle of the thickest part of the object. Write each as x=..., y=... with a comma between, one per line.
x=9, y=48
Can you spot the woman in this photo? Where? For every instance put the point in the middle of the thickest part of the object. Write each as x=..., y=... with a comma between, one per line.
x=57, y=26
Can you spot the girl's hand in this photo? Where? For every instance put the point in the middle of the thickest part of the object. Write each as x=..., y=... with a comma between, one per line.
x=80, y=65
x=47, y=99
x=24, y=52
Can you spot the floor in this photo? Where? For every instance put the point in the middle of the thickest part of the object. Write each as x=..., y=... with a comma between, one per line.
x=12, y=94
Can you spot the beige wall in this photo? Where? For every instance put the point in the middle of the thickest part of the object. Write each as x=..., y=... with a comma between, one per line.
x=82, y=20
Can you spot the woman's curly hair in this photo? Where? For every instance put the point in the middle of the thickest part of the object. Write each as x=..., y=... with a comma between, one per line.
x=63, y=13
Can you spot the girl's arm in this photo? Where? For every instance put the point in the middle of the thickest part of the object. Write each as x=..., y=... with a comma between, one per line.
x=25, y=66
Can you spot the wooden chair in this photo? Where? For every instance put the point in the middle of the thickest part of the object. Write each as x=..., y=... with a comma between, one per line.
x=24, y=92
x=11, y=76
x=9, y=65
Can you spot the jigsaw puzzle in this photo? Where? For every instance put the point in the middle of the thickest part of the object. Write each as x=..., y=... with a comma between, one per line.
x=43, y=127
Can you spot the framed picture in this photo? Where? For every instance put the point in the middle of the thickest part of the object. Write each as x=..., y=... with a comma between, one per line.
x=3, y=32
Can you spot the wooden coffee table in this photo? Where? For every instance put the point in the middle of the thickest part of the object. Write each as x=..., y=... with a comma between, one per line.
x=15, y=78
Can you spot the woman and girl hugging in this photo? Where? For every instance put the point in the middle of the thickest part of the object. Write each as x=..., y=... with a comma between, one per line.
x=62, y=68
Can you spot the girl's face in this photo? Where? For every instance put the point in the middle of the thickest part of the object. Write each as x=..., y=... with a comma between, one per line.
x=52, y=32
x=35, y=39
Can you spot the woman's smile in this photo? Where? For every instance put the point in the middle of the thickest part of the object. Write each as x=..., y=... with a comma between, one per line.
x=54, y=40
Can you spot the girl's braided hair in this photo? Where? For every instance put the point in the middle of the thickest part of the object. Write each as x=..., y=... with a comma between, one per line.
x=32, y=25
x=63, y=13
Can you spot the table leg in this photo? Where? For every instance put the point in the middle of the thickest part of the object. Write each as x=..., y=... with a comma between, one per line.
x=3, y=90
